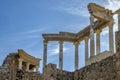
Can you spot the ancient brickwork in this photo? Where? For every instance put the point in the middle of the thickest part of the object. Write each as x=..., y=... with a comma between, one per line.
x=9, y=70
x=98, y=57
x=118, y=55
x=52, y=73
x=99, y=66
x=103, y=70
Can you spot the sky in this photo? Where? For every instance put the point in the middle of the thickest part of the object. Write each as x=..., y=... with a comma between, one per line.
x=22, y=23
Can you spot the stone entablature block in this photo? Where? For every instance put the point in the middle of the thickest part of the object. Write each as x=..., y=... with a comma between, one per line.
x=28, y=58
x=100, y=12
x=99, y=57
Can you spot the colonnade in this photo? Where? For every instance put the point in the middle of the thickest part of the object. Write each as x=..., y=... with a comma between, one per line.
x=119, y=21
x=86, y=38
x=20, y=66
x=76, y=44
x=98, y=47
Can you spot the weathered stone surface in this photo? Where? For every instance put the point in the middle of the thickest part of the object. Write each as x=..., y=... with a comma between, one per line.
x=9, y=70
x=104, y=66
x=118, y=55
x=103, y=70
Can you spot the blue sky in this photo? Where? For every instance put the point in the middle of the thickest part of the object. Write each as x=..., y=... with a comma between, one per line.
x=22, y=23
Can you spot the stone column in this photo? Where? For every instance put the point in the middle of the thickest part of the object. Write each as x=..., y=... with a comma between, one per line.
x=27, y=67
x=92, y=51
x=61, y=55
x=45, y=53
x=76, y=55
x=98, y=41
x=86, y=49
x=37, y=67
x=111, y=38
x=20, y=63
x=118, y=22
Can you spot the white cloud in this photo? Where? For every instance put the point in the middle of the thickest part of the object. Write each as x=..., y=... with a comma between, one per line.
x=30, y=46
x=75, y=11
x=32, y=31
x=73, y=7
x=74, y=28
x=28, y=34
x=112, y=5
x=105, y=31
x=55, y=51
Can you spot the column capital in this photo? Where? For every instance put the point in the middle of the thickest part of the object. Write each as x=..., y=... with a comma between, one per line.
x=111, y=24
x=28, y=63
x=20, y=59
x=92, y=18
x=119, y=14
x=98, y=31
x=37, y=66
x=76, y=43
x=45, y=42
x=86, y=37
x=61, y=42
x=119, y=21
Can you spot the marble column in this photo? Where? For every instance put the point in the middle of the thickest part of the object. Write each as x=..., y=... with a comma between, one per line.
x=61, y=55
x=45, y=53
x=76, y=55
x=86, y=49
x=37, y=67
x=92, y=51
x=20, y=63
x=118, y=22
x=111, y=38
x=98, y=41
x=27, y=67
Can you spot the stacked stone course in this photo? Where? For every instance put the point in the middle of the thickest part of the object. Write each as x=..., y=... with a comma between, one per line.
x=9, y=70
x=103, y=70
x=103, y=66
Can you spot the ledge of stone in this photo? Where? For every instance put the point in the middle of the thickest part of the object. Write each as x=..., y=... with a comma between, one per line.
x=99, y=57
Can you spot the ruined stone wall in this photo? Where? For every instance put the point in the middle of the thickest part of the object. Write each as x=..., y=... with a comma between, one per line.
x=9, y=70
x=52, y=73
x=106, y=69
x=103, y=70
x=99, y=57
x=118, y=55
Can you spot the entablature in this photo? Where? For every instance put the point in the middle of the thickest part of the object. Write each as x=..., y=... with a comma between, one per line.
x=100, y=12
x=62, y=36
x=28, y=58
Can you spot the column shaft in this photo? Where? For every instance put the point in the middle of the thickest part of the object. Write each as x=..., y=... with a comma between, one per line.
x=27, y=67
x=92, y=51
x=98, y=42
x=86, y=49
x=20, y=63
x=61, y=55
x=37, y=67
x=76, y=55
x=118, y=22
x=111, y=41
x=45, y=54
